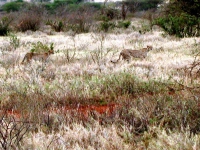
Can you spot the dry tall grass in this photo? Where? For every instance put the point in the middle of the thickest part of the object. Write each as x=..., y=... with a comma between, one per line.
x=158, y=102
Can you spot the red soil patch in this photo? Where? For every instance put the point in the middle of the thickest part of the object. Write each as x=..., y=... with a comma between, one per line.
x=83, y=111
x=107, y=110
x=9, y=113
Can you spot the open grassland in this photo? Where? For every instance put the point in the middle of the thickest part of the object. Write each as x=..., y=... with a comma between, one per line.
x=79, y=99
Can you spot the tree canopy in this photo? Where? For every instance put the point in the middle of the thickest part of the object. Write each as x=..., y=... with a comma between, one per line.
x=181, y=18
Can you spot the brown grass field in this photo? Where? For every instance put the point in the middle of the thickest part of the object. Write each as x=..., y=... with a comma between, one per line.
x=79, y=99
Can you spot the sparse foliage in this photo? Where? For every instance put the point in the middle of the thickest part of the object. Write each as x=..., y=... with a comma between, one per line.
x=99, y=54
x=28, y=21
x=57, y=25
x=41, y=47
x=106, y=25
x=80, y=21
x=4, y=25
x=12, y=132
x=14, y=41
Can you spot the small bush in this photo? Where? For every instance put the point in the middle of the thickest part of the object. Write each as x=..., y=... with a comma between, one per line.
x=124, y=24
x=57, y=25
x=145, y=28
x=29, y=21
x=111, y=13
x=4, y=25
x=80, y=21
x=14, y=41
x=40, y=47
x=106, y=25
x=12, y=132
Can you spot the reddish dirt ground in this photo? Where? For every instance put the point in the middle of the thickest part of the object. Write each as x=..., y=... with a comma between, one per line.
x=84, y=111
x=107, y=110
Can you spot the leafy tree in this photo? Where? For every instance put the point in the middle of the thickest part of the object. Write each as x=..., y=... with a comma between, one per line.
x=181, y=18
x=59, y=3
x=191, y=7
x=148, y=4
x=137, y=5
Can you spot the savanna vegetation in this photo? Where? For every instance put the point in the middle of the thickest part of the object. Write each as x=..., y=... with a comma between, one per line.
x=80, y=97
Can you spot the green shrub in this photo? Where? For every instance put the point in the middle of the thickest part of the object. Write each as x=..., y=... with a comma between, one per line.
x=13, y=6
x=181, y=26
x=79, y=28
x=124, y=24
x=4, y=25
x=106, y=25
x=108, y=14
x=145, y=27
x=111, y=13
x=57, y=25
x=14, y=41
x=40, y=47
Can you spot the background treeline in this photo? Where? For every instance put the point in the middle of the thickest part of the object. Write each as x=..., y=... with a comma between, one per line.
x=176, y=17
x=180, y=18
